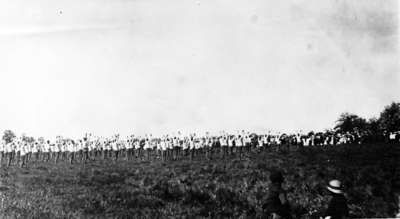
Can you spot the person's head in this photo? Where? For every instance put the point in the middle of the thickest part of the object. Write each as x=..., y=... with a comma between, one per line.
x=276, y=177
x=335, y=187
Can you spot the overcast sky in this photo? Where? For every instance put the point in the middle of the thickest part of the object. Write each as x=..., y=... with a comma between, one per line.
x=155, y=66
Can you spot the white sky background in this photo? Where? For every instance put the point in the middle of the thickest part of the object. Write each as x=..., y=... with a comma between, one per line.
x=74, y=66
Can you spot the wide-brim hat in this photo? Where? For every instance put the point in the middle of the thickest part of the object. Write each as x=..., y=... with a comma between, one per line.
x=335, y=187
x=276, y=177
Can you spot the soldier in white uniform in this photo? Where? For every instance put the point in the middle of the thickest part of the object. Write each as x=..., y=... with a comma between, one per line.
x=122, y=148
x=79, y=150
x=163, y=149
x=71, y=151
x=47, y=151
x=306, y=141
x=231, y=144
x=106, y=149
x=86, y=146
x=57, y=151
x=18, y=147
x=202, y=146
x=392, y=137
x=192, y=149
x=11, y=148
x=265, y=142
x=53, y=150
x=157, y=148
x=136, y=148
x=260, y=143
x=207, y=142
x=247, y=143
x=147, y=148
x=185, y=146
x=23, y=153
x=170, y=148
x=176, y=144
x=2, y=152
x=240, y=144
x=114, y=148
x=129, y=145
x=6, y=151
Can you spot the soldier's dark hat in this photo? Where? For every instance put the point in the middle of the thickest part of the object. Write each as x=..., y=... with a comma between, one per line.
x=276, y=177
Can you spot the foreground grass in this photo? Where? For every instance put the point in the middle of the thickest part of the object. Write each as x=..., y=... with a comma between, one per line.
x=202, y=189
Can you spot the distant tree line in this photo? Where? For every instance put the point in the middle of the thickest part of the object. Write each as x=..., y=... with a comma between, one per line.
x=373, y=129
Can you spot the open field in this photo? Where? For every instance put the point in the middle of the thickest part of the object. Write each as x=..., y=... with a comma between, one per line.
x=229, y=188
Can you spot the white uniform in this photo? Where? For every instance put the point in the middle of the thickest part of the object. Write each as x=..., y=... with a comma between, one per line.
x=137, y=144
x=129, y=145
x=70, y=147
x=278, y=140
x=326, y=141
x=163, y=145
x=298, y=139
x=198, y=144
x=191, y=144
x=176, y=142
x=221, y=141
x=230, y=142
x=122, y=144
x=57, y=147
x=392, y=136
x=239, y=142
x=6, y=147
x=35, y=148
x=47, y=147
x=306, y=141
x=185, y=144
x=247, y=140
x=169, y=144
x=265, y=140
x=23, y=148
x=146, y=144
x=114, y=146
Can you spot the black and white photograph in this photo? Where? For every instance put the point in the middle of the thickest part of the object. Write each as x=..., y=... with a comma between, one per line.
x=259, y=109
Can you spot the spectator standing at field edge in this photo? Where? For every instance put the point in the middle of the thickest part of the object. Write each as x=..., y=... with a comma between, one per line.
x=337, y=208
x=276, y=203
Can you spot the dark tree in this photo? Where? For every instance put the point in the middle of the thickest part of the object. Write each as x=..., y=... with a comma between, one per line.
x=41, y=140
x=27, y=138
x=374, y=127
x=374, y=132
x=8, y=136
x=389, y=120
x=350, y=122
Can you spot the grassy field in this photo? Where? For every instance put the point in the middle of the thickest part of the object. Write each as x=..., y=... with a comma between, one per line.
x=219, y=188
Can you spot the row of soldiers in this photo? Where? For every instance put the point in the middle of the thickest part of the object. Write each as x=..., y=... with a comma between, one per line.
x=21, y=152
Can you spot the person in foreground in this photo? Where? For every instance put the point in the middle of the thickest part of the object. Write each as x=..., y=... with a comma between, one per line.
x=337, y=208
x=276, y=204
